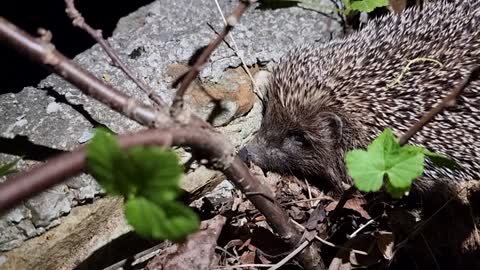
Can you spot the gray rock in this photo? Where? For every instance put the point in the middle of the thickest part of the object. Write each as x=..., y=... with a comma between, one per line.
x=53, y=107
x=84, y=188
x=49, y=205
x=27, y=228
x=25, y=113
x=17, y=214
x=11, y=236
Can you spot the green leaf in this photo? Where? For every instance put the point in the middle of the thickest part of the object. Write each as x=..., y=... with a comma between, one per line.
x=104, y=156
x=385, y=159
x=367, y=5
x=395, y=192
x=148, y=177
x=151, y=172
x=364, y=170
x=158, y=173
x=436, y=158
x=166, y=221
x=405, y=167
x=8, y=168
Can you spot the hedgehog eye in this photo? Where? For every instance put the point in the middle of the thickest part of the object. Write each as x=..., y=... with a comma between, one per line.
x=298, y=139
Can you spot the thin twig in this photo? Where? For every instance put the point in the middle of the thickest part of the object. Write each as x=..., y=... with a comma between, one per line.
x=232, y=20
x=360, y=229
x=290, y=256
x=424, y=223
x=79, y=21
x=431, y=252
x=227, y=253
x=309, y=191
x=343, y=17
x=330, y=244
x=236, y=47
x=446, y=102
x=45, y=53
x=255, y=211
x=21, y=186
x=420, y=226
x=308, y=200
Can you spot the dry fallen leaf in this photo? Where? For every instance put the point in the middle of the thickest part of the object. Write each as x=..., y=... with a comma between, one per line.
x=354, y=204
x=385, y=243
x=200, y=245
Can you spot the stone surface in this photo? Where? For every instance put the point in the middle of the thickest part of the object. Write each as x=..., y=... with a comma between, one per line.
x=27, y=113
x=153, y=39
x=233, y=93
x=44, y=207
x=82, y=232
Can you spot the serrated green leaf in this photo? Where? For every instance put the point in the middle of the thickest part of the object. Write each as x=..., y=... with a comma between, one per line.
x=151, y=172
x=365, y=170
x=166, y=221
x=367, y=5
x=406, y=166
x=8, y=168
x=442, y=161
x=158, y=173
x=385, y=159
x=125, y=174
x=149, y=178
x=436, y=158
x=103, y=154
x=384, y=146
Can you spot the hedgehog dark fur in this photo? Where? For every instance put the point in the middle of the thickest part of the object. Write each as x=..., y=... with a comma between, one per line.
x=323, y=100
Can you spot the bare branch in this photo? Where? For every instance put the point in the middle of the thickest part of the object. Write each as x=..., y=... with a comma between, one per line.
x=79, y=21
x=232, y=20
x=235, y=47
x=27, y=184
x=24, y=185
x=45, y=53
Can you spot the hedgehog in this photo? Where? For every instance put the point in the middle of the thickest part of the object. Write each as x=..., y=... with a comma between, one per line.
x=325, y=99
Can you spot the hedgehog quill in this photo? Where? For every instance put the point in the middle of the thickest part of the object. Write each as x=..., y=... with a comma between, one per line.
x=323, y=100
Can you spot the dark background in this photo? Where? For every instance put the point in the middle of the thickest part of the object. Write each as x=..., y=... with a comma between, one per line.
x=16, y=71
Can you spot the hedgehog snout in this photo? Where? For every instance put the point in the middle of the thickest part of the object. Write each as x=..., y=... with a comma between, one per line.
x=250, y=153
x=257, y=151
x=244, y=155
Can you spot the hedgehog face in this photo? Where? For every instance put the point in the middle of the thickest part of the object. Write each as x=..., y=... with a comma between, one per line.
x=307, y=145
x=279, y=149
